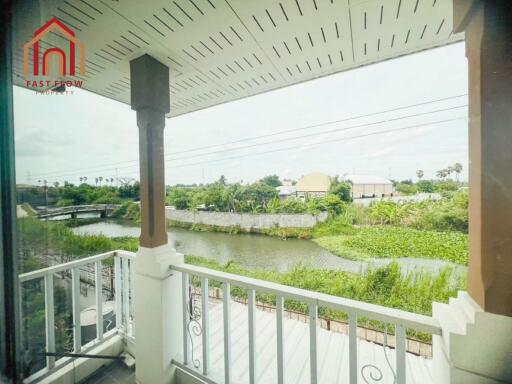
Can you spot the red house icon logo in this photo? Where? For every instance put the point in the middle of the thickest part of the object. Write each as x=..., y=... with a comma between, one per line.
x=65, y=66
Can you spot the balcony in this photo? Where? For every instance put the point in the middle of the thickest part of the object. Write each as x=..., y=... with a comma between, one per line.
x=226, y=335
x=187, y=324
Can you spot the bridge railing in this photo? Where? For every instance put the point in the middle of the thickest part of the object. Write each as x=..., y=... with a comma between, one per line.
x=77, y=209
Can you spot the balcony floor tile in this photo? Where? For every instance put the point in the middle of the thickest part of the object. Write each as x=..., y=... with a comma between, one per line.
x=115, y=373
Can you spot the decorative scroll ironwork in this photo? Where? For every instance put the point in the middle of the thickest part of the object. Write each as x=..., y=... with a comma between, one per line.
x=374, y=373
x=194, y=327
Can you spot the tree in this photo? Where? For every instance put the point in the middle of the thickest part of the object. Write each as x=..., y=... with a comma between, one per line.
x=180, y=198
x=419, y=174
x=442, y=173
x=426, y=186
x=457, y=167
x=222, y=180
x=271, y=181
x=342, y=189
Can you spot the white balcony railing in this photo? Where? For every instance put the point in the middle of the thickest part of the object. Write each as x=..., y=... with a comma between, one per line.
x=89, y=271
x=196, y=284
x=354, y=309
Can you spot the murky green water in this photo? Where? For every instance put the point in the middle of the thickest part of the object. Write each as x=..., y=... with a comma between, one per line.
x=256, y=251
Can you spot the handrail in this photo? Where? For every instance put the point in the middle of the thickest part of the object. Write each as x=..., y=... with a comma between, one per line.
x=73, y=264
x=352, y=307
x=122, y=275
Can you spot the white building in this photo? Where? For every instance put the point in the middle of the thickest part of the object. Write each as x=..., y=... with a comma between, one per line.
x=286, y=190
x=369, y=186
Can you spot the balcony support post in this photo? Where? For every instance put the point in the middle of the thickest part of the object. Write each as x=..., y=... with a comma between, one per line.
x=476, y=346
x=157, y=290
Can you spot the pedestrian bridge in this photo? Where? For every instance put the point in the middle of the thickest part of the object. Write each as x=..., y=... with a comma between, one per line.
x=73, y=210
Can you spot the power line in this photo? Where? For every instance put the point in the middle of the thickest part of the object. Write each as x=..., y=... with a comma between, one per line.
x=321, y=124
x=320, y=133
x=106, y=166
x=325, y=141
x=312, y=144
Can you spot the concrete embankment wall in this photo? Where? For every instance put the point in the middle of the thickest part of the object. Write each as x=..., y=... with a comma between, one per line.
x=246, y=220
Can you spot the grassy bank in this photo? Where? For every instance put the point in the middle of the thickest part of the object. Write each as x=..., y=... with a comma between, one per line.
x=394, y=242
x=38, y=239
x=283, y=233
x=387, y=286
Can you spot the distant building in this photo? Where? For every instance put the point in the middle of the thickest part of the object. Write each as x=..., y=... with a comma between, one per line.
x=313, y=185
x=286, y=190
x=369, y=186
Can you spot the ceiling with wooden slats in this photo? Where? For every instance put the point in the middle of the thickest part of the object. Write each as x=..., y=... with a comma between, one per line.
x=223, y=50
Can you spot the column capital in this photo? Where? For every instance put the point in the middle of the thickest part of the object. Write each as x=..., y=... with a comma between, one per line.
x=149, y=80
x=463, y=11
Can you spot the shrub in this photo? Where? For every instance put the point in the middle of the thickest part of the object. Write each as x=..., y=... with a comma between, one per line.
x=426, y=186
x=406, y=188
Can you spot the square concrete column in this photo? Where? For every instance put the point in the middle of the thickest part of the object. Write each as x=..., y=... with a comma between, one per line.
x=488, y=29
x=476, y=345
x=157, y=290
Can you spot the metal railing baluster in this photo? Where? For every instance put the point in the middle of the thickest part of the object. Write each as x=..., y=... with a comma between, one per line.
x=205, y=324
x=227, y=331
x=49, y=319
x=352, y=347
x=118, y=294
x=400, y=353
x=131, y=296
x=252, y=336
x=98, y=281
x=125, y=290
x=280, y=339
x=185, y=298
x=77, y=329
x=313, y=358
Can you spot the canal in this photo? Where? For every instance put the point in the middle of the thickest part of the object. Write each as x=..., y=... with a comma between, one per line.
x=257, y=251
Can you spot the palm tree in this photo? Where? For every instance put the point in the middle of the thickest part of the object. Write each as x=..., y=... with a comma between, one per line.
x=96, y=181
x=100, y=179
x=420, y=174
x=449, y=170
x=442, y=173
x=457, y=167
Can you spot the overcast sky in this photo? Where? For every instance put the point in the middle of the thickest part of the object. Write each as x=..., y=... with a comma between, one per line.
x=61, y=138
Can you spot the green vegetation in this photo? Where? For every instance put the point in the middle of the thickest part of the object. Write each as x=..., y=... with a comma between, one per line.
x=259, y=197
x=387, y=286
x=447, y=214
x=28, y=209
x=128, y=211
x=69, y=194
x=394, y=242
x=38, y=239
